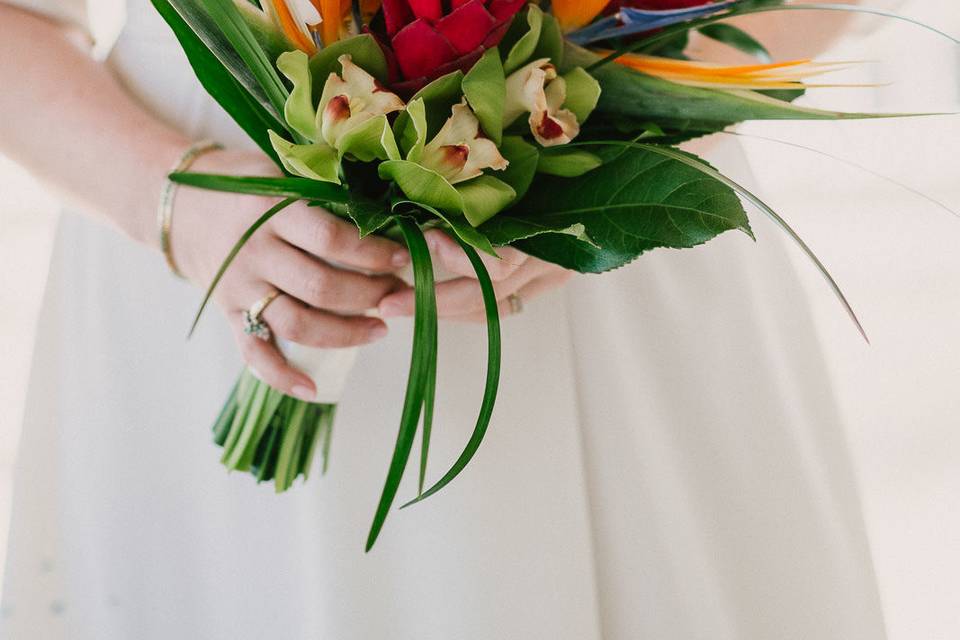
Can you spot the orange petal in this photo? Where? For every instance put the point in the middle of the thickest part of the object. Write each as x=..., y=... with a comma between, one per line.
x=573, y=14
x=292, y=30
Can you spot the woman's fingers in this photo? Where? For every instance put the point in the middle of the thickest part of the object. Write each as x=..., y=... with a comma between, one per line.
x=294, y=321
x=449, y=257
x=265, y=359
x=534, y=289
x=321, y=285
x=326, y=236
x=463, y=295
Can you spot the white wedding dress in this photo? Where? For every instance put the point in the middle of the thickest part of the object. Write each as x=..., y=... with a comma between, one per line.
x=665, y=461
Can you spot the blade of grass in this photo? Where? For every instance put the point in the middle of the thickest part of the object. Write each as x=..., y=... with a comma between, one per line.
x=420, y=364
x=849, y=163
x=493, y=375
x=704, y=168
x=300, y=188
x=262, y=220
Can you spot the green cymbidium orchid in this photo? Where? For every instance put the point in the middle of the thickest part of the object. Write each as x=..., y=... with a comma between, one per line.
x=447, y=173
x=350, y=119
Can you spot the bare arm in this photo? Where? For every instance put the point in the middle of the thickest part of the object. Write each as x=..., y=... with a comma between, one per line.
x=67, y=120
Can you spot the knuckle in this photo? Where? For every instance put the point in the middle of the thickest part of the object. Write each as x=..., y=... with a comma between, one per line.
x=292, y=326
x=325, y=233
x=318, y=287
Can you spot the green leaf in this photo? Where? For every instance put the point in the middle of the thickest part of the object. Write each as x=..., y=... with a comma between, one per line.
x=262, y=220
x=550, y=44
x=422, y=185
x=423, y=359
x=567, y=250
x=219, y=79
x=316, y=161
x=567, y=163
x=523, y=45
x=484, y=197
x=637, y=202
x=227, y=17
x=523, y=158
x=485, y=89
x=411, y=129
x=736, y=38
x=583, y=93
x=363, y=50
x=369, y=141
x=459, y=225
x=492, y=381
x=299, y=110
x=297, y=188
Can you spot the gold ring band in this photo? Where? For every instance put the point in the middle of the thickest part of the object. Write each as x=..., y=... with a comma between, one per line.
x=516, y=303
x=253, y=324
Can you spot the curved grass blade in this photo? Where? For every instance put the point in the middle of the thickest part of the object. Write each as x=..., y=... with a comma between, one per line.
x=696, y=163
x=849, y=163
x=493, y=375
x=421, y=361
x=670, y=32
x=429, y=399
x=300, y=188
x=262, y=220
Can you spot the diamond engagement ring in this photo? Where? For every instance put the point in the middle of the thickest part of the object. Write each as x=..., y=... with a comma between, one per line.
x=253, y=324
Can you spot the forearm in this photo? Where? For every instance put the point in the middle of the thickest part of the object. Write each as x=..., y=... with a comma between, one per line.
x=70, y=122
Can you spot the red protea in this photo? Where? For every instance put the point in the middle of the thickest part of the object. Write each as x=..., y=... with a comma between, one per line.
x=429, y=38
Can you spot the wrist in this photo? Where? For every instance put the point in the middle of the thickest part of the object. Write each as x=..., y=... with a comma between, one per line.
x=169, y=194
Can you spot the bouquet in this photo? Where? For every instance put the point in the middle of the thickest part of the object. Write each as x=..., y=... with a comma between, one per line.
x=549, y=127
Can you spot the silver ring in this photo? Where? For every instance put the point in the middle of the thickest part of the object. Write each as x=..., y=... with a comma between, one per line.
x=516, y=304
x=253, y=324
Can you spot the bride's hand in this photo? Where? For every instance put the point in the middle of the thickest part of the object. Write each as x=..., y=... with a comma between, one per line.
x=514, y=275
x=320, y=305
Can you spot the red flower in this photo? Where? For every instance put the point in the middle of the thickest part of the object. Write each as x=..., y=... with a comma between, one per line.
x=430, y=38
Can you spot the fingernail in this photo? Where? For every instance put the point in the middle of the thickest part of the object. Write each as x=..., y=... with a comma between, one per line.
x=378, y=331
x=304, y=393
x=401, y=259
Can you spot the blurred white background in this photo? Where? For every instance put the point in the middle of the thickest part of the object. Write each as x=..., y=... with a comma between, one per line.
x=894, y=253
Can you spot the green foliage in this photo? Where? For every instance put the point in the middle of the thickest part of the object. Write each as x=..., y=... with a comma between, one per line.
x=485, y=89
x=522, y=38
x=523, y=158
x=227, y=82
x=316, y=161
x=637, y=202
x=567, y=163
x=583, y=93
x=494, y=357
x=422, y=361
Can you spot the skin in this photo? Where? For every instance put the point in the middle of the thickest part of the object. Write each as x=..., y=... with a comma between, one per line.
x=101, y=133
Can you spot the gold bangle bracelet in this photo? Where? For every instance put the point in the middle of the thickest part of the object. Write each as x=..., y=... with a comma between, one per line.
x=168, y=194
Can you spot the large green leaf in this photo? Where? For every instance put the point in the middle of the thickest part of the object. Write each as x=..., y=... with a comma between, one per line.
x=232, y=26
x=220, y=79
x=637, y=202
